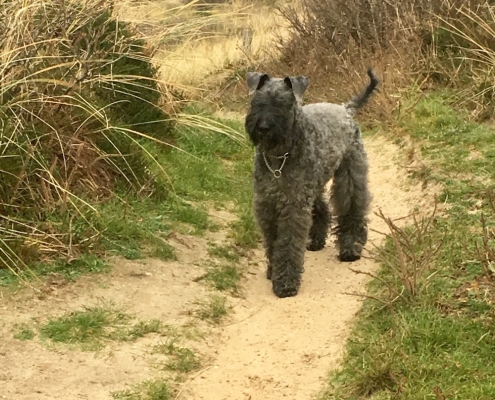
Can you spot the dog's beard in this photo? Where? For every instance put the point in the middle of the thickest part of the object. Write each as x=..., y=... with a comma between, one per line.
x=277, y=137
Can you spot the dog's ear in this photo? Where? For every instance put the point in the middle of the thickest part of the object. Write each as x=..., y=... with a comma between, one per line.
x=298, y=84
x=255, y=81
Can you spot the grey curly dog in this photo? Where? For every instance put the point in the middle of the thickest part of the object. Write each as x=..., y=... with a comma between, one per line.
x=298, y=150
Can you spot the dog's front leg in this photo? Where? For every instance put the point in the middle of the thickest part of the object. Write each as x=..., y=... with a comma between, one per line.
x=294, y=223
x=267, y=220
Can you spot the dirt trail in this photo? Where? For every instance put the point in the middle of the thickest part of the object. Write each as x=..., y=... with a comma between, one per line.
x=271, y=349
x=284, y=348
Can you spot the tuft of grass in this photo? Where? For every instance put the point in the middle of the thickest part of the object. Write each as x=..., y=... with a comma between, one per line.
x=245, y=231
x=426, y=331
x=230, y=253
x=91, y=327
x=87, y=327
x=142, y=328
x=24, y=332
x=223, y=277
x=179, y=359
x=157, y=389
x=69, y=270
x=213, y=309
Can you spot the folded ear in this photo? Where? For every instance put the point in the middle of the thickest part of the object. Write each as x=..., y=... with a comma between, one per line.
x=255, y=81
x=298, y=84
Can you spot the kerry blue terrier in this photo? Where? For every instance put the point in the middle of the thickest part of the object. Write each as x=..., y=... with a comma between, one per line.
x=298, y=150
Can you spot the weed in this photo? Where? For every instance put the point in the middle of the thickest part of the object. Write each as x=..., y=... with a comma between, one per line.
x=230, y=253
x=70, y=270
x=213, y=309
x=413, y=251
x=223, y=277
x=87, y=327
x=142, y=328
x=245, y=230
x=24, y=333
x=92, y=326
x=180, y=359
x=149, y=390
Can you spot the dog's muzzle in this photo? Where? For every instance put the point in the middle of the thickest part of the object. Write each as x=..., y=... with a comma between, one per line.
x=263, y=129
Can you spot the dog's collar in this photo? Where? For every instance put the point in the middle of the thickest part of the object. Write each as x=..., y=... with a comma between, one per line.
x=277, y=173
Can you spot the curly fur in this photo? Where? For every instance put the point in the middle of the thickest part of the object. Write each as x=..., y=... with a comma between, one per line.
x=323, y=142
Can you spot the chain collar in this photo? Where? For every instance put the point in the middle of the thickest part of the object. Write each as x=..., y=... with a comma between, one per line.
x=277, y=173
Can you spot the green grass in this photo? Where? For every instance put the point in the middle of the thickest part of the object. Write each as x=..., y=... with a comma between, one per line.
x=244, y=230
x=213, y=309
x=24, y=332
x=149, y=390
x=70, y=270
x=436, y=341
x=179, y=359
x=230, y=253
x=211, y=169
x=224, y=277
x=92, y=327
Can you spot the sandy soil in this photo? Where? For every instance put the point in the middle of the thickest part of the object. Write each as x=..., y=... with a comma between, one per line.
x=269, y=349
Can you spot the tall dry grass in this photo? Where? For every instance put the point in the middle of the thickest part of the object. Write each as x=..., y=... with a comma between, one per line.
x=81, y=97
x=77, y=94
x=420, y=42
x=197, y=59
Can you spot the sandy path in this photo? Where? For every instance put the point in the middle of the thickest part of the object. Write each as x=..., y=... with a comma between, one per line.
x=283, y=348
x=273, y=348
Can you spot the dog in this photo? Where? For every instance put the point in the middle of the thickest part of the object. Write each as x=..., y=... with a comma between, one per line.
x=299, y=149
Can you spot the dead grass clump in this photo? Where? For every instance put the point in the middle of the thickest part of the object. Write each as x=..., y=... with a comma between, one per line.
x=78, y=96
x=421, y=42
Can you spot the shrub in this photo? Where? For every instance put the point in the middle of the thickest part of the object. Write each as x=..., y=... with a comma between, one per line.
x=447, y=42
x=79, y=95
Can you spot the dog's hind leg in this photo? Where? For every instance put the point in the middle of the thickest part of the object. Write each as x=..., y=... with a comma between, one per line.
x=351, y=199
x=294, y=223
x=321, y=222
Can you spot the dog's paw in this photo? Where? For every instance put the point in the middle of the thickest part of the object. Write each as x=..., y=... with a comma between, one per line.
x=284, y=291
x=349, y=255
x=285, y=288
x=316, y=245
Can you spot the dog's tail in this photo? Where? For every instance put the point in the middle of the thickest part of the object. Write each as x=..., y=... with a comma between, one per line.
x=360, y=100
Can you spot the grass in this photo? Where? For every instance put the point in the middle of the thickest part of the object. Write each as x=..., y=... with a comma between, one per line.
x=92, y=327
x=172, y=362
x=24, y=332
x=157, y=389
x=70, y=270
x=244, y=230
x=214, y=309
x=179, y=359
x=432, y=337
x=207, y=170
x=229, y=253
x=224, y=277
x=223, y=272
x=102, y=167
x=187, y=63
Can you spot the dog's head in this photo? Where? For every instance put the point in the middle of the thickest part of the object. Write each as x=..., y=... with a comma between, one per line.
x=272, y=113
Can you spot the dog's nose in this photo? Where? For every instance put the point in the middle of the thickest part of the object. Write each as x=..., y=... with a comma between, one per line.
x=263, y=127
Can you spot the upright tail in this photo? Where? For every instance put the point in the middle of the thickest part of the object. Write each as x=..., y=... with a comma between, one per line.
x=360, y=100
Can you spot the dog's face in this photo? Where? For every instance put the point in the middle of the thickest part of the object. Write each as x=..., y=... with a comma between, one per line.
x=271, y=116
